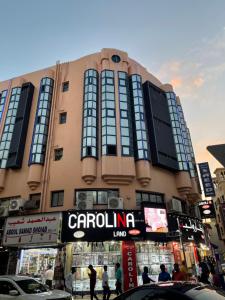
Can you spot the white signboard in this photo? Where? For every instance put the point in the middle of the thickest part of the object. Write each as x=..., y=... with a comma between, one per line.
x=32, y=229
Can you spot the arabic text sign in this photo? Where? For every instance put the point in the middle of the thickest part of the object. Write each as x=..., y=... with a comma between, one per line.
x=206, y=179
x=32, y=229
x=191, y=228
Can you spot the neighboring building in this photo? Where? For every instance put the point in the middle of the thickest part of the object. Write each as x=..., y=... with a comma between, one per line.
x=219, y=201
x=96, y=133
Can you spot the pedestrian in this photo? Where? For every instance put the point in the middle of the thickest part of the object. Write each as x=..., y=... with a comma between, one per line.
x=177, y=274
x=184, y=270
x=49, y=276
x=105, y=284
x=92, y=277
x=163, y=276
x=204, y=276
x=145, y=277
x=118, y=279
x=59, y=276
x=69, y=280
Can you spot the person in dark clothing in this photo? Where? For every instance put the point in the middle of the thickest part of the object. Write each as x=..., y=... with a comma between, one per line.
x=204, y=277
x=177, y=274
x=92, y=277
x=164, y=276
x=145, y=277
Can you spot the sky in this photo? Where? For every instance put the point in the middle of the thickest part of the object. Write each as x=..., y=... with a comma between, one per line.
x=180, y=42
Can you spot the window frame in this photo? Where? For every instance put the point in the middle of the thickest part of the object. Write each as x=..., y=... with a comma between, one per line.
x=65, y=86
x=62, y=117
x=58, y=193
x=58, y=156
x=97, y=195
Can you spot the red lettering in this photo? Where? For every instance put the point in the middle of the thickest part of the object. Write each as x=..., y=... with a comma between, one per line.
x=121, y=220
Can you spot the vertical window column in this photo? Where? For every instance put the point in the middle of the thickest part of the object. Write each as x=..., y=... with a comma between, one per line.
x=177, y=131
x=125, y=115
x=140, y=131
x=9, y=126
x=3, y=96
x=40, y=131
x=187, y=146
x=108, y=113
x=90, y=121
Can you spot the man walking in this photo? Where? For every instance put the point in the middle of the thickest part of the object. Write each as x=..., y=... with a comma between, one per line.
x=69, y=280
x=49, y=276
x=92, y=277
x=118, y=279
x=105, y=284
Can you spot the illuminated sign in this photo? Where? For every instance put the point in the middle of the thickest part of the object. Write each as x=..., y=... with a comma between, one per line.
x=206, y=209
x=102, y=225
x=155, y=219
x=206, y=179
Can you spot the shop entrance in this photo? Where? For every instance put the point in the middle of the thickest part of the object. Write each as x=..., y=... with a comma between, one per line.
x=98, y=255
x=34, y=262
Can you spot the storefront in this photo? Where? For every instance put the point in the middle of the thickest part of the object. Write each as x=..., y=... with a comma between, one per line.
x=34, y=241
x=130, y=237
x=189, y=244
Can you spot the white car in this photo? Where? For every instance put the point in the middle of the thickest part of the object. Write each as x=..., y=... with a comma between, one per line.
x=27, y=288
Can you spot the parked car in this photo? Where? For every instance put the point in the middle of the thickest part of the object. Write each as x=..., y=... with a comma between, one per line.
x=27, y=288
x=173, y=291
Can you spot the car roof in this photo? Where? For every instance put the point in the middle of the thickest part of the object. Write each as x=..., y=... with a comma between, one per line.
x=15, y=277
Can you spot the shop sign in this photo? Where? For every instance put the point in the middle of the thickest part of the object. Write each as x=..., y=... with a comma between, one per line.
x=207, y=209
x=191, y=229
x=102, y=225
x=129, y=265
x=32, y=229
x=206, y=180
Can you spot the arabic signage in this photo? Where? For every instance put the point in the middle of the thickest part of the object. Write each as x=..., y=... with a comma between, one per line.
x=129, y=265
x=207, y=209
x=102, y=225
x=191, y=229
x=32, y=229
x=206, y=180
x=155, y=219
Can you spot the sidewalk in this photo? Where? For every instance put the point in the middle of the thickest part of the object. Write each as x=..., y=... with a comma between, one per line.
x=87, y=297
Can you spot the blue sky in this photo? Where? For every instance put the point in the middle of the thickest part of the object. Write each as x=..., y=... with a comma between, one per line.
x=179, y=41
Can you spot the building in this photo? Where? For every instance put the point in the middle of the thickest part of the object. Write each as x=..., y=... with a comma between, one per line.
x=100, y=133
x=219, y=203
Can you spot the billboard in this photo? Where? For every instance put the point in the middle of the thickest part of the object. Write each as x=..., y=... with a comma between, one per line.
x=155, y=220
x=207, y=209
x=206, y=180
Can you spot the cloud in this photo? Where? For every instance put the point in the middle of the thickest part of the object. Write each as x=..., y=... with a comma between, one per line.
x=176, y=82
x=198, y=81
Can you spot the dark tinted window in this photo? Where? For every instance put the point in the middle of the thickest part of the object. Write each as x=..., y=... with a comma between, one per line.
x=30, y=286
x=57, y=198
x=65, y=86
x=6, y=287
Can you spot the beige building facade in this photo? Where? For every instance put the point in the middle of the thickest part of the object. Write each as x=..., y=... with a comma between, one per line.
x=97, y=133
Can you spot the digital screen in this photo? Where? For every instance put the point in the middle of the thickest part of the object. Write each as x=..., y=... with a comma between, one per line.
x=155, y=220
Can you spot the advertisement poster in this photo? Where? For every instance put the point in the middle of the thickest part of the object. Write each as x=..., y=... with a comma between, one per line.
x=129, y=265
x=155, y=220
x=32, y=229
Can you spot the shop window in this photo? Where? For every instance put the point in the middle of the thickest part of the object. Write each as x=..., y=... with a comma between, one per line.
x=95, y=196
x=62, y=118
x=58, y=154
x=65, y=86
x=57, y=198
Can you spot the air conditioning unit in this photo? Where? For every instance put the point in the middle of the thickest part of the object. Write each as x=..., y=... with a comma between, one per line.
x=175, y=205
x=4, y=211
x=16, y=204
x=115, y=203
x=84, y=201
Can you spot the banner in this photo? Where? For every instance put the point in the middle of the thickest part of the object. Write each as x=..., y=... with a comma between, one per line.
x=32, y=229
x=129, y=265
x=207, y=209
x=102, y=225
x=206, y=180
